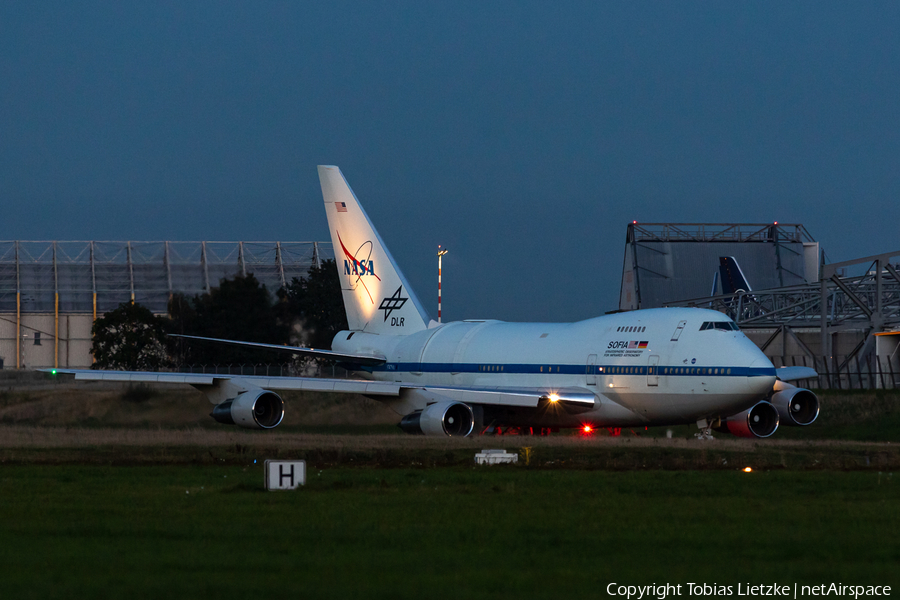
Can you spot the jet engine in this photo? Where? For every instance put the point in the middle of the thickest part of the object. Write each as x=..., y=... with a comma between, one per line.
x=441, y=418
x=256, y=409
x=760, y=420
x=796, y=406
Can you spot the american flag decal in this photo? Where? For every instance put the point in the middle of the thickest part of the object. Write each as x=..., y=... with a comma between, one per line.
x=341, y=206
x=632, y=345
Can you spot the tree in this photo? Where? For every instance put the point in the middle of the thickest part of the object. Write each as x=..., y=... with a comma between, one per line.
x=239, y=309
x=129, y=338
x=314, y=307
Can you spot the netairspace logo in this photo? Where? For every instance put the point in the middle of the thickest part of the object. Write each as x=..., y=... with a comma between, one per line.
x=663, y=591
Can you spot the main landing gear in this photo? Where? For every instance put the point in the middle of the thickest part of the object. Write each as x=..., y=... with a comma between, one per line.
x=493, y=430
x=705, y=430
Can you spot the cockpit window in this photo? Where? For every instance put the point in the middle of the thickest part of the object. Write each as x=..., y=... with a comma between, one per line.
x=723, y=325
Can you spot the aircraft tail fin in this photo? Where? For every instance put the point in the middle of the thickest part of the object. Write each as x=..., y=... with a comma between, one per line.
x=715, y=285
x=731, y=276
x=377, y=297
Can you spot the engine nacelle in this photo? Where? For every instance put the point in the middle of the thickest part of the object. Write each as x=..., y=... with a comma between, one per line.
x=760, y=420
x=256, y=409
x=796, y=406
x=441, y=418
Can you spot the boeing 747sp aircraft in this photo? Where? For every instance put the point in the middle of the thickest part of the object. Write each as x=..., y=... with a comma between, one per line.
x=650, y=367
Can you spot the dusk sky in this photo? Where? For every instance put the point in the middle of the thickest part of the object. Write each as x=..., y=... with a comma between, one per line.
x=523, y=136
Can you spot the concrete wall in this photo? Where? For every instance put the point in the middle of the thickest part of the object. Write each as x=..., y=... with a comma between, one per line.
x=37, y=346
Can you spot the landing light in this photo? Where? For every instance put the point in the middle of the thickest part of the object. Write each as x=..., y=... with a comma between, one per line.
x=553, y=398
x=747, y=470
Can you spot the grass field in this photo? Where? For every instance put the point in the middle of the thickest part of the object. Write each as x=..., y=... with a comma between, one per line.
x=110, y=492
x=487, y=532
x=35, y=400
x=859, y=415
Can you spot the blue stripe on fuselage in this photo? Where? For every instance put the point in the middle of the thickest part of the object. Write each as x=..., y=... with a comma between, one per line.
x=599, y=370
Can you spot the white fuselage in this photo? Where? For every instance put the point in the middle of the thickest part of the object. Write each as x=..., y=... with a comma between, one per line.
x=645, y=367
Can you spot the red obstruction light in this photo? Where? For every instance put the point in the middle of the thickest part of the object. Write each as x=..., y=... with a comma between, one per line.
x=587, y=429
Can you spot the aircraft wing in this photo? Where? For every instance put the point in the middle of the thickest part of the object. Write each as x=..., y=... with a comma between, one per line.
x=307, y=384
x=794, y=373
x=359, y=359
x=575, y=398
x=578, y=398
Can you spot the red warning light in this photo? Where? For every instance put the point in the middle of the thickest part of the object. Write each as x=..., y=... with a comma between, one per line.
x=587, y=429
x=634, y=222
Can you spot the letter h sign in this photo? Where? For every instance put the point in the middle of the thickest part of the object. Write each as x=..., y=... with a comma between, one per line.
x=285, y=474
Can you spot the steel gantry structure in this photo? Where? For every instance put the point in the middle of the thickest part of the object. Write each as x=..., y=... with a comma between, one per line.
x=870, y=301
x=864, y=304
x=666, y=262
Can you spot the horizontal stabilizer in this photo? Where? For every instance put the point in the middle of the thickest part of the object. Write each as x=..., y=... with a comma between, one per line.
x=358, y=359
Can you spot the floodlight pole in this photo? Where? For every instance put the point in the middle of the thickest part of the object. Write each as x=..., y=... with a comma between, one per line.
x=440, y=254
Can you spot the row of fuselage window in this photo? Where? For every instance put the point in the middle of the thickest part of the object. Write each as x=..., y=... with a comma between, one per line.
x=725, y=325
x=695, y=371
x=665, y=371
x=629, y=370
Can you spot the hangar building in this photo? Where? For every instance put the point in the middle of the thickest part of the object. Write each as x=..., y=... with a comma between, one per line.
x=667, y=262
x=51, y=292
x=842, y=318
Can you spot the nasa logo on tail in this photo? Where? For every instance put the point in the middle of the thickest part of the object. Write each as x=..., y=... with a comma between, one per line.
x=355, y=268
x=389, y=305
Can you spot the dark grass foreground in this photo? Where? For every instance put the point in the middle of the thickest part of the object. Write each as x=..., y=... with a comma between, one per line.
x=458, y=532
x=123, y=447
